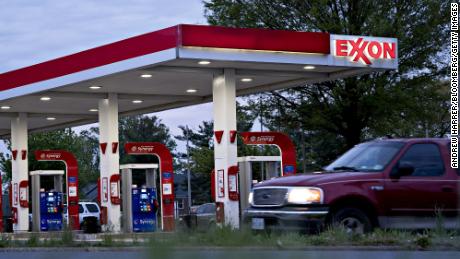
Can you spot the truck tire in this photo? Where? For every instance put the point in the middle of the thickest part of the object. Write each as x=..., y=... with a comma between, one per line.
x=353, y=220
x=90, y=225
x=84, y=227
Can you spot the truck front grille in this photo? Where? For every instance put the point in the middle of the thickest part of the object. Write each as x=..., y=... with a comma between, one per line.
x=269, y=196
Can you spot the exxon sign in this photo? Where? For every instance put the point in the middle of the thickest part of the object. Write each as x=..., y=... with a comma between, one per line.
x=367, y=51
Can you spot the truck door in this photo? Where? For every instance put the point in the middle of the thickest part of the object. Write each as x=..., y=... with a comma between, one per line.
x=457, y=193
x=423, y=191
x=454, y=182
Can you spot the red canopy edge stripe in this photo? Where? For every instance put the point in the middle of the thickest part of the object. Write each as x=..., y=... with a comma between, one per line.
x=179, y=35
x=255, y=39
x=107, y=54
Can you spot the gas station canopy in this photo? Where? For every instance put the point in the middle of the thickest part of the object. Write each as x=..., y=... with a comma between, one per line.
x=174, y=67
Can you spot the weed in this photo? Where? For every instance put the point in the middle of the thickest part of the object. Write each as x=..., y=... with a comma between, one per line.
x=290, y=239
x=135, y=240
x=422, y=241
x=387, y=237
x=33, y=240
x=5, y=240
x=440, y=229
x=67, y=237
x=332, y=236
x=107, y=240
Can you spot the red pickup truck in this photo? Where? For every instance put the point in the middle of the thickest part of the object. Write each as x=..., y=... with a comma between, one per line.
x=387, y=183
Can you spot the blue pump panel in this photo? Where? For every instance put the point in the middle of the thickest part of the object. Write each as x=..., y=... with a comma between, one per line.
x=144, y=209
x=51, y=207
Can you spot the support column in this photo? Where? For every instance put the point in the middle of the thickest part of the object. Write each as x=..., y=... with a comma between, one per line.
x=127, y=186
x=225, y=152
x=20, y=171
x=35, y=188
x=270, y=170
x=109, y=160
x=245, y=175
x=58, y=183
x=150, y=179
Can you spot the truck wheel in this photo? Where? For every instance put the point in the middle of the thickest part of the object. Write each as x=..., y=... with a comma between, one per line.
x=353, y=220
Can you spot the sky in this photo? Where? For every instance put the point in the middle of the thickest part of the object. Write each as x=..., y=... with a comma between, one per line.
x=33, y=31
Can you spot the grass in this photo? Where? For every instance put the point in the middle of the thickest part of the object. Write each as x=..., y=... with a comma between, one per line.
x=107, y=241
x=67, y=237
x=227, y=237
x=33, y=240
x=5, y=241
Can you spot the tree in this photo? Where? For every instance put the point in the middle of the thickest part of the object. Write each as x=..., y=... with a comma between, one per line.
x=201, y=158
x=201, y=151
x=141, y=128
x=356, y=108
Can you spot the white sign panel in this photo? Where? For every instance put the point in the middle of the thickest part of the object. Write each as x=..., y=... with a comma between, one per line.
x=105, y=191
x=232, y=183
x=376, y=52
x=72, y=191
x=23, y=194
x=114, y=189
x=167, y=189
x=15, y=194
x=220, y=184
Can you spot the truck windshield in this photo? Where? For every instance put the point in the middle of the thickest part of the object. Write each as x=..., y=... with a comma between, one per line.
x=367, y=157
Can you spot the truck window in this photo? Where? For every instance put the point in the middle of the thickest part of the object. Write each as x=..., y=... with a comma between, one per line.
x=92, y=208
x=80, y=208
x=456, y=169
x=210, y=208
x=425, y=158
x=368, y=157
x=201, y=209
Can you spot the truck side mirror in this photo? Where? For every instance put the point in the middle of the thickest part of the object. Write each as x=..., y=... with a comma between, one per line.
x=403, y=169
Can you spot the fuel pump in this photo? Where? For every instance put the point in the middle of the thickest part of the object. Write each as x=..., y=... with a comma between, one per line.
x=71, y=192
x=140, y=204
x=144, y=206
x=51, y=211
x=47, y=203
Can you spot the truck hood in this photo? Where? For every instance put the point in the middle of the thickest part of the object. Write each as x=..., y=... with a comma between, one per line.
x=319, y=178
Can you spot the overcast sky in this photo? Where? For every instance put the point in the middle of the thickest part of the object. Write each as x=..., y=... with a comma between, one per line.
x=32, y=31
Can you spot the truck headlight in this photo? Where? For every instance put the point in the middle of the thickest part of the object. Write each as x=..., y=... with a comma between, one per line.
x=250, y=198
x=305, y=195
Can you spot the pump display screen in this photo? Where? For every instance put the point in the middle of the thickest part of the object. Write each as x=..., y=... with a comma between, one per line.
x=50, y=203
x=144, y=202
